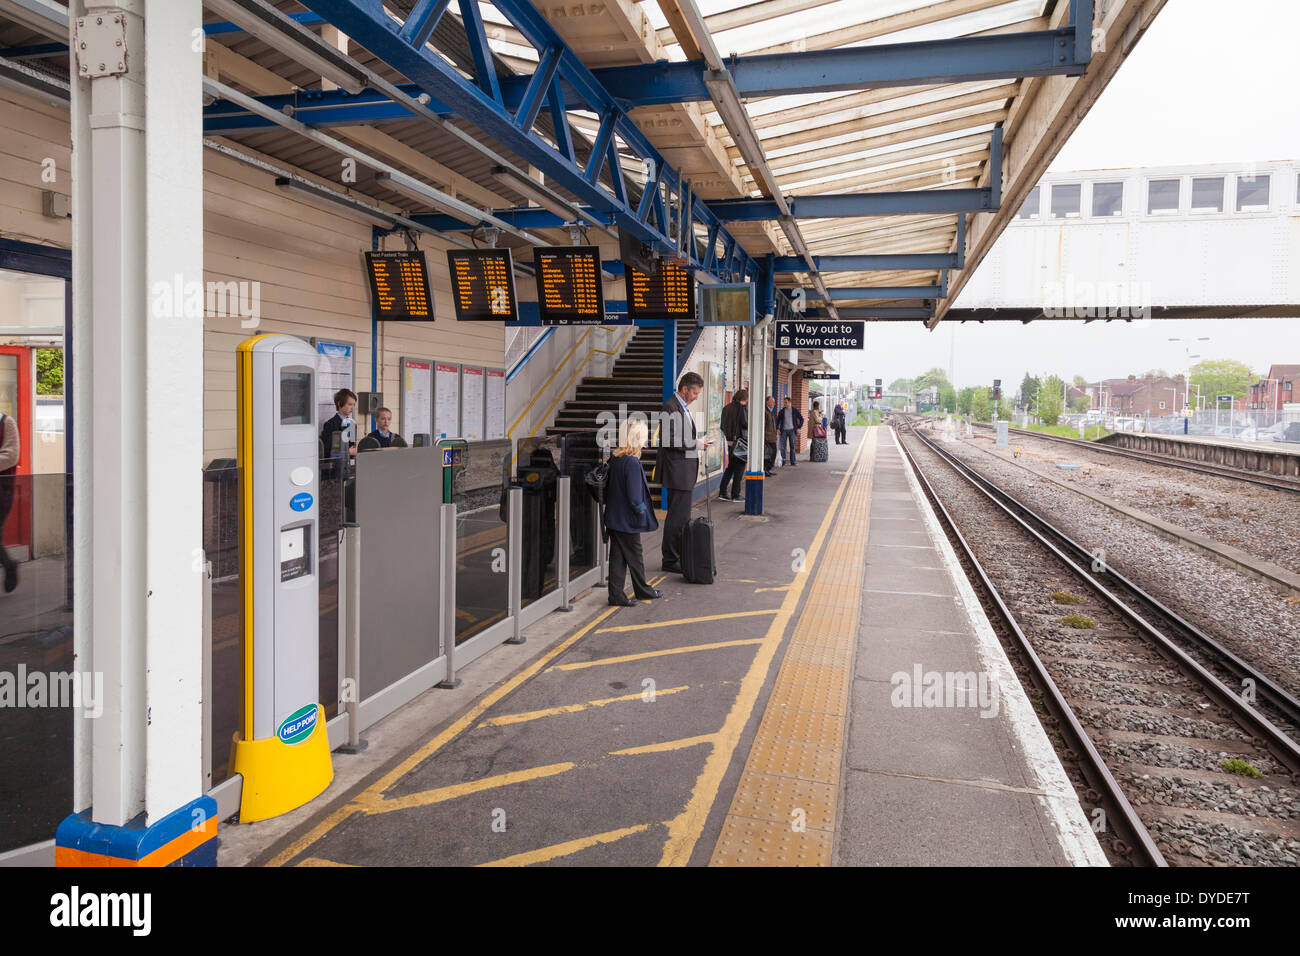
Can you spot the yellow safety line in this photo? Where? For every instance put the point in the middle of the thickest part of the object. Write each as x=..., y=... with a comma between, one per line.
x=573, y=708
x=684, y=620
x=684, y=830
x=784, y=587
x=688, y=649
x=319, y=861
x=376, y=804
x=432, y=746
x=799, y=742
x=568, y=848
x=664, y=746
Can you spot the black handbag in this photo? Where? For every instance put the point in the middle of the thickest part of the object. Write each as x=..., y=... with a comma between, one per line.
x=596, y=480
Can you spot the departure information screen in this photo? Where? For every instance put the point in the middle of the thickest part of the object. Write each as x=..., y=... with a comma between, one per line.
x=569, y=288
x=668, y=294
x=399, y=286
x=482, y=284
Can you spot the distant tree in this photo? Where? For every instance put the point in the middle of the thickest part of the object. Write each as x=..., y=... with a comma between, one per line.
x=1080, y=403
x=1080, y=382
x=948, y=398
x=49, y=371
x=1154, y=373
x=903, y=385
x=964, y=398
x=935, y=376
x=981, y=405
x=1029, y=390
x=1051, y=400
x=1222, y=377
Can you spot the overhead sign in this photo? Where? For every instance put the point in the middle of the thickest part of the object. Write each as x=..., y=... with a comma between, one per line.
x=1223, y=398
x=399, y=286
x=482, y=285
x=569, y=289
x=667, y=294
x=793, y=334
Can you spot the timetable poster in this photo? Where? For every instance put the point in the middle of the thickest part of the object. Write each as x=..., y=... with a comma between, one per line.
x=482, y=285
x=569, y=288
x=471, y=403
x=334, y=370
x=668, y=294
x=399, y=286
x=417, y=397
x=496, y=404
x=446, y=400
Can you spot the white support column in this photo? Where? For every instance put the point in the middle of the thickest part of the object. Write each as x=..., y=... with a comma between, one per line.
x=138, y=501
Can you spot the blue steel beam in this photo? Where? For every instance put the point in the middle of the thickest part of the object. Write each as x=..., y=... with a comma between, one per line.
x=366, y=22
x=656, y=84
x=881, y=313
x=870, y=263
x=883, y=292
x=858, y=205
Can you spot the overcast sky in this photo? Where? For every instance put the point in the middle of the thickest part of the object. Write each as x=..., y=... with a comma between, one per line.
x=1210, y=82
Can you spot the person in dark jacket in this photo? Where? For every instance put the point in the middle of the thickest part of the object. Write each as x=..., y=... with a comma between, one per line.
x=770, y=435
x=735, y=428
x=678, y=464
x=10, y=447
x=789, y=422
x=345, y=401
x=838, y=423
x=383, y=433
x=629, y=513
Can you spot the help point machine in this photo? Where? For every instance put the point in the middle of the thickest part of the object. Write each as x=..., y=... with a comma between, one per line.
x=282, y=749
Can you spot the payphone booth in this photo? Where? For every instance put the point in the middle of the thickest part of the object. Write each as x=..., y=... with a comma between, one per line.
x=282, y=749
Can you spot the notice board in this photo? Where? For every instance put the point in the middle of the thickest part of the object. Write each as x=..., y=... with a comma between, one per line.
x=495, y=401
x=446, y=400
x=472, y=390
x=417, y=398
x=399, y=286
x=335, y=369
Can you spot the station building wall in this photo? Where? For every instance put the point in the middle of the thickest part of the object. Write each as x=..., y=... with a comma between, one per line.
x=308, y=262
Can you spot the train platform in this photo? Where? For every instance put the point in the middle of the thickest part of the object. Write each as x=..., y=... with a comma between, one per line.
x=835, y=698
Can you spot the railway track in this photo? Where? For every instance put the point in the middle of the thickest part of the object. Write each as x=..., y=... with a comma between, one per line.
x=1143, y=701
x=1150, y=458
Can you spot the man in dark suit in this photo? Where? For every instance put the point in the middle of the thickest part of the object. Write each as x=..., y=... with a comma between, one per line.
x=677, y=466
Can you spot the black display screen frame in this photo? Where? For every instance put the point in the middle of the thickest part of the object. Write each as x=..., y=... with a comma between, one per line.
x=482, y=313
x=656, y=281
x=567, y=317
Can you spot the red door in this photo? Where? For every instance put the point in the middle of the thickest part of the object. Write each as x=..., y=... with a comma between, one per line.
x=16, y=402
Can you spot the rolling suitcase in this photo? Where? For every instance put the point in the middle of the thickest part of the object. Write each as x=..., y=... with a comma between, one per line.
x=697, y=546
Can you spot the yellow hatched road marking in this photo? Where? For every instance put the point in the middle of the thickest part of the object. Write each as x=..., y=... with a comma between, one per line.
x=567, y=848
x=783, y=811
x=664, y=746
x=684, y=830
x=685, y=620
x=573, y=708
x=320, y=861
x=688, y=649
x=373, y=804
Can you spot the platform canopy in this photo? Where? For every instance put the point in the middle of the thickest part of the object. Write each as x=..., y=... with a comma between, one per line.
x=868, y=153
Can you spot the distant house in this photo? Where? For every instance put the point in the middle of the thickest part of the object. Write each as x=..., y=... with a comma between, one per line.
x=1146, y=397
x=1280, y=387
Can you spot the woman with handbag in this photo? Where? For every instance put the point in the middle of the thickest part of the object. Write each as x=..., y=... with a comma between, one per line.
x=817, y=434
x=628, y=514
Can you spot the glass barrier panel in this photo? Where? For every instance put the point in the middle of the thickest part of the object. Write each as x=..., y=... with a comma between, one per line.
x=580, y=454
x=537, y=467
x=482, y=540
x=221, y=546
x=39, y=686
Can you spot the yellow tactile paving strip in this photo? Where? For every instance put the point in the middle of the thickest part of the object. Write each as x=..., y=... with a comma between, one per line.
x=783, y=812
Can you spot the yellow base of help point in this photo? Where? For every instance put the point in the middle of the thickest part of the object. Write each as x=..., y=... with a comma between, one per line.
x=280, y=777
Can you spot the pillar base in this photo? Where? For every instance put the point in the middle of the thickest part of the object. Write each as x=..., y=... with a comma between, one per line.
x=279, y=777
x=185, y=837
x=754, y=493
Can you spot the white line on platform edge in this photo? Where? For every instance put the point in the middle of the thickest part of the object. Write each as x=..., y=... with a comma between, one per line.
x=1076, y=837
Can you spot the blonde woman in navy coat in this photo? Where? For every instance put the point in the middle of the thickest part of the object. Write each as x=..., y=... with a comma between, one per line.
x=629, y=513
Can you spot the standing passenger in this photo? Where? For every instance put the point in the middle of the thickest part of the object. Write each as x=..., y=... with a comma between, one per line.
x=769, y=437
x=735, y=428
x=790, y=421
x=838, y=422
x=817, y=434
x=677, y=466
x=9, y=449
x=628, y=514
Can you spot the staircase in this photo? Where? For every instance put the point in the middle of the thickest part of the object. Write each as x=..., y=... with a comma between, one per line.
x=637, y=382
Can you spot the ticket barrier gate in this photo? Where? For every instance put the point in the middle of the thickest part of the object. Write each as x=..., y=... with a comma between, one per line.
x=538, y=480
